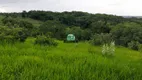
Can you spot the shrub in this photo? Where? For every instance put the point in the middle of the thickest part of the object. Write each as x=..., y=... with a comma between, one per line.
x=7, y=39
x=46, y=41
x=12, y=35
x=99, y=39
x=108, y=49
x=134, y=45
x=140, y=48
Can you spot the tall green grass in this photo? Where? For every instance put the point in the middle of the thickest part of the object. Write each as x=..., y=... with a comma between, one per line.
x=67, y=61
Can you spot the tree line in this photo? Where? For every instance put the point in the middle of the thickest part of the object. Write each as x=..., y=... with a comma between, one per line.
x=96, y=28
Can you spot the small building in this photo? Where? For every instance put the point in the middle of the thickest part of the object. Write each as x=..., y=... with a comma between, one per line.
x=70, y=37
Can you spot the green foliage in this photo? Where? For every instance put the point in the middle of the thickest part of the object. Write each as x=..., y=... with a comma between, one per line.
x=140, y=48
x=46, y=41
x=134, y=45
x=86, y=34
x=13, y=22
x=99, y=27
x=27, y=27
x=99, y=39
x=83, y=25
x=41, y=15
x=69, y=61
x=76, y=18
x=12, y=34
x=10, y=22
x=24, y=14
x=79, y=33
x=126, y=32
x=53, y=27
x=25, y=24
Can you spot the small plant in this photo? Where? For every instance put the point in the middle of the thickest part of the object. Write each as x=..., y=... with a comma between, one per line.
x=46, y=41
x=108, y=49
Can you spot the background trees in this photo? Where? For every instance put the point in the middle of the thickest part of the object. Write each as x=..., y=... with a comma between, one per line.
x=55, y=28
x=12, y=34
x=85, y=26
x=126, y=32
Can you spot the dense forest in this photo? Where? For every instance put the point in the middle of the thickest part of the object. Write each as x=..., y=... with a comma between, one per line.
x=95, y=28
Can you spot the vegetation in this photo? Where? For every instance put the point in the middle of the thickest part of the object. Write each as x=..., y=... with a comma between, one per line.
x=32, y=48
x=100, y=39
x=46, y=41
x=12, y=34
x=83, y=25
x=67, y=61
x=126, y=32
x=108, y=49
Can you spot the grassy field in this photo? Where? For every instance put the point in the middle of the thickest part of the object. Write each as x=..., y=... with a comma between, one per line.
x=67, y=61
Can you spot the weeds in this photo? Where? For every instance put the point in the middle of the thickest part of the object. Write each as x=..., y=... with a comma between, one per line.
x=108, y=49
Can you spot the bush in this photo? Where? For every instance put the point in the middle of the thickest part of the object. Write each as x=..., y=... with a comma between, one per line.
x=134, y=45
x=7, y=39
x=46, y=41
x=140, y=48
x=99, y=39
x=12, y=35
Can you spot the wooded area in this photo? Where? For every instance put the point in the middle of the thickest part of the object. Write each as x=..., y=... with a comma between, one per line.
x=96, y=28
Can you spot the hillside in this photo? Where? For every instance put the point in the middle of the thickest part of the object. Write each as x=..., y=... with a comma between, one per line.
x=1, y=17
x=106, y=47
x=34, y=22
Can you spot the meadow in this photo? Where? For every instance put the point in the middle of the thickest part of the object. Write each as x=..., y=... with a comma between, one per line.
x=67, y=61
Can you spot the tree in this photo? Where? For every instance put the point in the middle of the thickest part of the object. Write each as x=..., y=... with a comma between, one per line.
x=24, y=14
x=124, y=33
x=54, y=27
x=99, y=27
x=12, y=34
